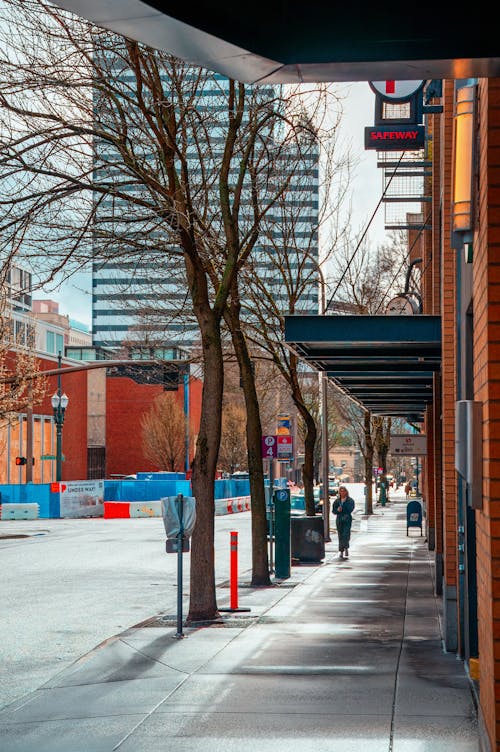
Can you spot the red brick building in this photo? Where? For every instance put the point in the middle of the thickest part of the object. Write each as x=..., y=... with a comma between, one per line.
x=457, y=250
x=101, y=434
x=462, y=284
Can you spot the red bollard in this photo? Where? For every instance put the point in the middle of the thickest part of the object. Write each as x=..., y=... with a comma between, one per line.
x=234, y=570
x=233, y=574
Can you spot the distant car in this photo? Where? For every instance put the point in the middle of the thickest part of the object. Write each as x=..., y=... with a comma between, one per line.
x=297, y=505
x=333, y=486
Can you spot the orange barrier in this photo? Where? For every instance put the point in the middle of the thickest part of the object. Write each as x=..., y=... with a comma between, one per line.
x=116, y=509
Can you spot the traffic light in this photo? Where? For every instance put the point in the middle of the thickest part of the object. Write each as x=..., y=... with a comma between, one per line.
x=20, y=460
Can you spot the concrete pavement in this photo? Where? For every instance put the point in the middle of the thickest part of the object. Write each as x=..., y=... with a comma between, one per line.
x=342, y=656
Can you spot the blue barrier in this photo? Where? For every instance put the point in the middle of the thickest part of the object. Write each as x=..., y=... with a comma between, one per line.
x=144, y=490
x=162, y=475
x=29, y=493
x=119, y=490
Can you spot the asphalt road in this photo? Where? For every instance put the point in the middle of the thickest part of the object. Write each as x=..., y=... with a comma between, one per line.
x=68, y=585
x=71, y=584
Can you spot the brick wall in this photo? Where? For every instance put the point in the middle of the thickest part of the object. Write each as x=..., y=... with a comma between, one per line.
x=448, y=376
x=74, y=432
x=126, y=403
x=434, y=293
x=486, y=300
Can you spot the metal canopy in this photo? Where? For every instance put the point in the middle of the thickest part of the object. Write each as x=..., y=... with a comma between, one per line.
x=385, y=363
x=295, y=42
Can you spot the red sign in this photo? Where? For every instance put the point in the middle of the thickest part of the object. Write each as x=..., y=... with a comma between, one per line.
x=57, y=487
x=394, y=137
x=269, y=447
x=285, y=447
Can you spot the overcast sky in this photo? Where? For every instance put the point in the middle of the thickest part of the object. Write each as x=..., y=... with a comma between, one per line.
x=74, y=296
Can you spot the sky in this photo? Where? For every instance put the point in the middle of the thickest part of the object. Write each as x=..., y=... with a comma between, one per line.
x=74, y=296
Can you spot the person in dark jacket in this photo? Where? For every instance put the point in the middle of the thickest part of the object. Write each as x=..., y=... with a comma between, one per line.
x=343, y=507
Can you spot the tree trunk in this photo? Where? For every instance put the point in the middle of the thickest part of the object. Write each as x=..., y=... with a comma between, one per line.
x=368, y=456
x=260, y=562
x=203, y=604
x=309, y=440
x=308, y=466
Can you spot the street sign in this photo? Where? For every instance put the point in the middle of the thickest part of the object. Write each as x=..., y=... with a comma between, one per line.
x=285, y=447
x=284, y=422
x=411, y=443
x=269, y=447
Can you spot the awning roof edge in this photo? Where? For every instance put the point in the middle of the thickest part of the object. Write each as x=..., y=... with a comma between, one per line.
x=387, y=364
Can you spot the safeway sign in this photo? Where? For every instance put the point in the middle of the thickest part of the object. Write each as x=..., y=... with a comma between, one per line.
x=411, y=443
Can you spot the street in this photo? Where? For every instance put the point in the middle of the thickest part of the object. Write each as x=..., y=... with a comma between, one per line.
x=71, y=584
x=68, y=585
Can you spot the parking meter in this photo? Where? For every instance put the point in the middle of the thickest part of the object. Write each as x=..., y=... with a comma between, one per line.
x=282, y=533
x=383, y=493
x=179, y=517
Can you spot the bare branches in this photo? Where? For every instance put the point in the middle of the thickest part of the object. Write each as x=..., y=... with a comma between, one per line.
x=163, y=431
x=21, y=383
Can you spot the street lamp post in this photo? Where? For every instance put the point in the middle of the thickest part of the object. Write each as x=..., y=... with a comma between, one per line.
x=324, y=430
x=59, y=404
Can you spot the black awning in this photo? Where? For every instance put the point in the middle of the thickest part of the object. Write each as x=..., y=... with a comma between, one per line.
x=297, y=42
x=385, y=363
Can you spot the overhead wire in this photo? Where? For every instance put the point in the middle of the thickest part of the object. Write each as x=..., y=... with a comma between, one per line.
x=364, y=232
x=423, y=226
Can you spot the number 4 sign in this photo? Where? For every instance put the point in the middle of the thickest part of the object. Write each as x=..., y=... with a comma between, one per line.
x=269, y=447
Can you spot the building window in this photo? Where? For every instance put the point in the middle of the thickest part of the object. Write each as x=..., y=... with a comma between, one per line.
x=20, y=335
x=51, y=342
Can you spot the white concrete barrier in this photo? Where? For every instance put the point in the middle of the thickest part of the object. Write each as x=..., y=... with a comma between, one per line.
x=145, y=508
x=153, y=508
x=12, y=511
x=233, y=505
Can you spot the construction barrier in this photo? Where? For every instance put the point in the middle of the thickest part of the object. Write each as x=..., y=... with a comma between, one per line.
x=232, y=506
x=28, y=511
x=145, y=508
x=127, y=509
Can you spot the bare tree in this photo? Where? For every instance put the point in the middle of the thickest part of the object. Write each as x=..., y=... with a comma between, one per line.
x=336, y=420
x=22, y=384
x=368, y=277
x=163, y=433
x=108, y=152
x=368, y=280
x=382, y=443
x=362, y=426
x=233, y=447
x=291, y=250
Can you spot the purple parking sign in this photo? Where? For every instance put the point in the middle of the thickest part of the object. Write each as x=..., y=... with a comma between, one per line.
x=269, y=447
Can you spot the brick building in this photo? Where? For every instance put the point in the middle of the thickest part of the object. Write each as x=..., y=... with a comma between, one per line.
x=101, y=435
x=442, y=369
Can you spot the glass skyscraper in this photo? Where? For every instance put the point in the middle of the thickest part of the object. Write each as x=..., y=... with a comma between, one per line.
x=139, y=292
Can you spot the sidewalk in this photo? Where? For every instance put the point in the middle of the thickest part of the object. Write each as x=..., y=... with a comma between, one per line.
x=346, y=656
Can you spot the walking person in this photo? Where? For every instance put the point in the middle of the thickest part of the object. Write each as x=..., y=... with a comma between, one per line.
x=343, y=507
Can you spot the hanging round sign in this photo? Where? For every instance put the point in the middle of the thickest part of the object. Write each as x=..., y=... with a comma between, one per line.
x=396, y=90
x=401, y=305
